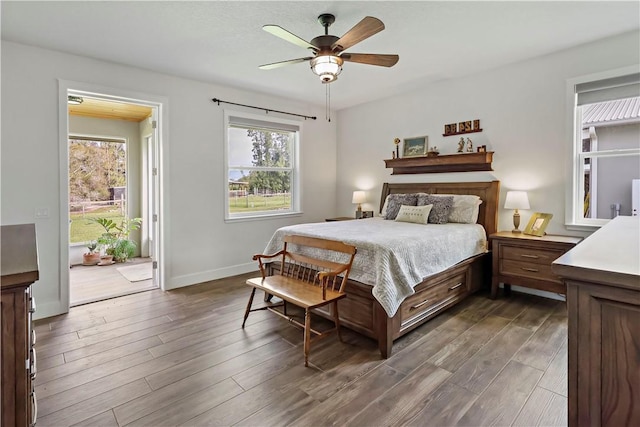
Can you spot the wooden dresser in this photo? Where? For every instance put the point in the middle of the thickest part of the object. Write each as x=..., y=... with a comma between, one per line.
x=602, y=275
x=523, y=260
x=19, y=269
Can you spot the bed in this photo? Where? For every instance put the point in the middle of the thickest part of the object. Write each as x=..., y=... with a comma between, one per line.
x=385, y=313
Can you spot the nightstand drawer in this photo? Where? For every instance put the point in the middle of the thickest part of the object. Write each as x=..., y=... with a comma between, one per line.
x=529, y=255
x=529, y=270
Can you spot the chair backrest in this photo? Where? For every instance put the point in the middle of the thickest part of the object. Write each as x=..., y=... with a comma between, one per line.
x=317, y=261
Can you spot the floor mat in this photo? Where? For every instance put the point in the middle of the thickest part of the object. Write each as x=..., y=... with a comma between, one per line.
x=136, y=272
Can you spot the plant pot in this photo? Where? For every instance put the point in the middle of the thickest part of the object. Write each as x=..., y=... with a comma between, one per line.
x=91, y=258
x=106, y=260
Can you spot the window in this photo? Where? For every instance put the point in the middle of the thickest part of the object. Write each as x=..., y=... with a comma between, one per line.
x=606, y=147
x=262, y=167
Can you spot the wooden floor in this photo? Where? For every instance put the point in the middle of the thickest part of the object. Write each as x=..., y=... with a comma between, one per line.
x=95, y=283
x=181, y=358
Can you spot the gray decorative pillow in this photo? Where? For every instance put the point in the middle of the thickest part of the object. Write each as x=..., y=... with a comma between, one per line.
x=395, y=201
x=442, y=206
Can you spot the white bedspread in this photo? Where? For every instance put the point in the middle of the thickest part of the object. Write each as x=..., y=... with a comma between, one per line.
x=393, y=256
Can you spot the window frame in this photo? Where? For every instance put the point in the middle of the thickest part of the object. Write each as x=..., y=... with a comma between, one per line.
x=574, y=203
x=296, y=196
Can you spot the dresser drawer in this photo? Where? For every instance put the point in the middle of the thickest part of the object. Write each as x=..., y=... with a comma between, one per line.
x=529, y=255
x=434, y=297
x=529, y=270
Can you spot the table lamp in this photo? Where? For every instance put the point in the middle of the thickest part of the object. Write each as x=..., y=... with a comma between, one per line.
x=359, y=197
x=516, y=200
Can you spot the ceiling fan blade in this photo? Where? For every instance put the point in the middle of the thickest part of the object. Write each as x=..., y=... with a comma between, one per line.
x=362, y=30
x=278, y=31
x=371, y=59
x=283, y=63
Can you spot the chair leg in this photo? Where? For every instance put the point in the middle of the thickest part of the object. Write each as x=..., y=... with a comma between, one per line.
x=246, y=312
x=307, y=335
x=336, y=320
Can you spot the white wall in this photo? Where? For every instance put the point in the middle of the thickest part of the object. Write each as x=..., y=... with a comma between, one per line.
x=522, y=111
x=200, y=246
x=129, y=131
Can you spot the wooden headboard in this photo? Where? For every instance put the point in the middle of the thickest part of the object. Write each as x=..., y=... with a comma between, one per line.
x=488, y=191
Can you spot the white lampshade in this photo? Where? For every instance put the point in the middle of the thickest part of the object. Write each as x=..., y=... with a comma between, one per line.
x=327, y=67
x=516, y=200
x=359, y=197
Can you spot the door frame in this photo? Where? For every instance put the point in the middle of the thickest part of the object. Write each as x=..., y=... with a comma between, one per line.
x=160, y=105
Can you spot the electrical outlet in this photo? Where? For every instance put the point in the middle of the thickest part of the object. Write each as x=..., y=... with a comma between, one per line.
x=42, y=213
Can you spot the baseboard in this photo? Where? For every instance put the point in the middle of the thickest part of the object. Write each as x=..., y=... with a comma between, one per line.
x=49, y=309
x=206, y=276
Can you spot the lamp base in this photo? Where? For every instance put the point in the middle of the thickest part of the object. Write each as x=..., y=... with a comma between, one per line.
x=516, y=222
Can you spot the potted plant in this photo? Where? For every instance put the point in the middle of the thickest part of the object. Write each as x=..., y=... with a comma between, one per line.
x=92, y=257
x=115, y=239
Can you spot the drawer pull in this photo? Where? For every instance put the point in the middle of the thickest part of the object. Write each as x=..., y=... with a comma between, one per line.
x=529, y=256
x=33, y=337
x=456, y=286
x=417, y=306
x=32, y=309
x=34, y=364
x=533, y=270
x=34, y=408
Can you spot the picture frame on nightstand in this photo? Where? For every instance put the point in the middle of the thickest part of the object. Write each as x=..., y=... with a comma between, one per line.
x=538, y=223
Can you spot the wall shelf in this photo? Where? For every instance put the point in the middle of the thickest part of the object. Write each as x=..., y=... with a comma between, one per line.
x=463, y=162
x=462, y=133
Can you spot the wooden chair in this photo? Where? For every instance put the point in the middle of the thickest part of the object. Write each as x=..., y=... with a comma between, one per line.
x=304, y=281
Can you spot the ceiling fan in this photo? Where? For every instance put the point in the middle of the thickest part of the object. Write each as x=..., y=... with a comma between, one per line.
x=329, y=51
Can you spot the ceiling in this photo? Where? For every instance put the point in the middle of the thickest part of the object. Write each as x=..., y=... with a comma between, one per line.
x=103, y=109
x=222, y=42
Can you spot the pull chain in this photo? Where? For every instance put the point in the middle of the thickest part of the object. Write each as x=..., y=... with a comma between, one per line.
x=327, y=112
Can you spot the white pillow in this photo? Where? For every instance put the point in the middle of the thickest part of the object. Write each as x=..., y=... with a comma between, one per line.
x=465, y=209
x=415, y=214
x=383, y=212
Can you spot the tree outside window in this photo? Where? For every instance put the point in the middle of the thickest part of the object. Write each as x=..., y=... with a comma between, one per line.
x=261, y=168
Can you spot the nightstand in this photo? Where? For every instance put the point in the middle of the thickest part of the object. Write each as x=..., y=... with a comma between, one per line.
x=524, y=260
x=339, y=218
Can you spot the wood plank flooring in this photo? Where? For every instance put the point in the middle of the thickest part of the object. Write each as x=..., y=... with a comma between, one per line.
x=95, y=283
x=181, y=358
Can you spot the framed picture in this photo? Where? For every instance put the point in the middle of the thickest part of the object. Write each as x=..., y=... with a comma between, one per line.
x=450, y=129
x=415, y=146
x=476, y=124
x=467, y=126
x=538, y=223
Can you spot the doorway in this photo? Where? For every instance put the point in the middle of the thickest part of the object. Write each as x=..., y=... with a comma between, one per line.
x=124, y=132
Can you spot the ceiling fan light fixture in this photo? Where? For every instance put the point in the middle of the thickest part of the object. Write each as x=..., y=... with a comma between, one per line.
x=75, y=100
x=327, y=67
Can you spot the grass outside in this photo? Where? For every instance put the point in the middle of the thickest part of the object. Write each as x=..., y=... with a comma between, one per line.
x=83, y=230
x=256, y=203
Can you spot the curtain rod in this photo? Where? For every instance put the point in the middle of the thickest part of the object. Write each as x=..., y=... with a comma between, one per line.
x=266, y=110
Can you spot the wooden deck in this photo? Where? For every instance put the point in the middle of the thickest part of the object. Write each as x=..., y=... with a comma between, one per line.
x=181, y=358
x=95, y=283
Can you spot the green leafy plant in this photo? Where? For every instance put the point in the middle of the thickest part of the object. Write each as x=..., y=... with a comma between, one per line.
x=92, y=246
x=115, y=239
